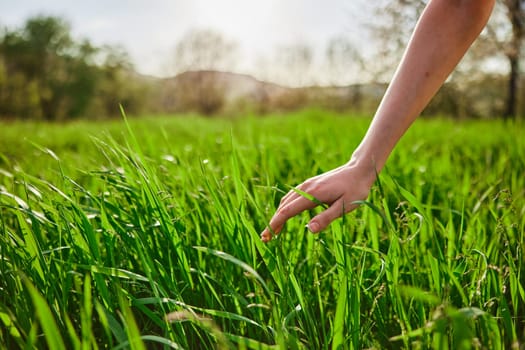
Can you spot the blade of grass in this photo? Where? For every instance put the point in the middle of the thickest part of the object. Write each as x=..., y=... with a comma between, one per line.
x=48, y=323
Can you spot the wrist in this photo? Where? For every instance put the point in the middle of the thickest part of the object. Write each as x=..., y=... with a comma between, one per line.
x=365, y=166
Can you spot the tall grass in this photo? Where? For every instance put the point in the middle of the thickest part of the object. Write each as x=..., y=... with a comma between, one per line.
x=147, y=236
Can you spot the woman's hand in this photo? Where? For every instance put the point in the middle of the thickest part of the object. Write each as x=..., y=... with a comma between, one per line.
x=443, y=34
x=339, y=188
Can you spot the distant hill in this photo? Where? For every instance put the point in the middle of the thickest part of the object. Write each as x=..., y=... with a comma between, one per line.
x=210, y=92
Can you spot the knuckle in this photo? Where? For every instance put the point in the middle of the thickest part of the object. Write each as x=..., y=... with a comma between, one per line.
x=315, y=188
x=310, y=187
x=306, y=184
x=284, y=211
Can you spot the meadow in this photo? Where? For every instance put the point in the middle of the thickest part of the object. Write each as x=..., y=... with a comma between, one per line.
x=144, y=233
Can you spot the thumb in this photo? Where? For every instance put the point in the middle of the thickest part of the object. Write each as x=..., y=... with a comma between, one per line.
x=323, y=219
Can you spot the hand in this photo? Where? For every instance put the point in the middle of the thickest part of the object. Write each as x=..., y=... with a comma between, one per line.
x=339, y=188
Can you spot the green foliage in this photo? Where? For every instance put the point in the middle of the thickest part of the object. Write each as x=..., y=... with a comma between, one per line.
x=145, y=234
x=45, y=73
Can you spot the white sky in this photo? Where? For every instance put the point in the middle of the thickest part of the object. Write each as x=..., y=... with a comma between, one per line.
x=150, y=29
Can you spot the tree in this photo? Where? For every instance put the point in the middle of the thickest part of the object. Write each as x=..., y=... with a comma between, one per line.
x=204, y=49
x=395, y=22
x=516, y=16
x=198, y=57
x=342, y=58
x=295, y=61
x=506, y=33
x=345, y=64
x=45, y=73
x=38, y=55
x=502, y=40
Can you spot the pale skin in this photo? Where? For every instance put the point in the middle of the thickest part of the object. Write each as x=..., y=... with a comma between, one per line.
x=443, y=34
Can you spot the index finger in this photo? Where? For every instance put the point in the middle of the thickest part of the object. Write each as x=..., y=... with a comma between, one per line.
x=285, y=212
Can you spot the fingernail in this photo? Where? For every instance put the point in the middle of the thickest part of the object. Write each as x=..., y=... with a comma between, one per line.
x=313, y=227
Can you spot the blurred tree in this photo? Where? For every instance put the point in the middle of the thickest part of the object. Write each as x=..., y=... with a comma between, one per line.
x=395, y=22
x=513, y=51
x=501, y=41
x=33, y=53
x=204, y=49
x=198, y=57
x=295, y=61
x=505, y=36
x=44, y=73
x=345, y=64
x=118, y=84
x=342, y=58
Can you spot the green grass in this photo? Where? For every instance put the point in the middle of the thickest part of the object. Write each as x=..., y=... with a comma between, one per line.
x=148, y=237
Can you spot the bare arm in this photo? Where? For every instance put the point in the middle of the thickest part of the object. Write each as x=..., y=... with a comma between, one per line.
x=444, y=32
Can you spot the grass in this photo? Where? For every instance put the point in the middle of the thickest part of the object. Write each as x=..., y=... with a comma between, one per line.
x=148, y=237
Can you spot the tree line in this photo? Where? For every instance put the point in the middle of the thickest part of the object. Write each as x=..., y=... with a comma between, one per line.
x=46, y=74
x=488, y=82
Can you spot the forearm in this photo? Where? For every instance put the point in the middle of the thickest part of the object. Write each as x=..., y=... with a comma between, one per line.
x=443, y=34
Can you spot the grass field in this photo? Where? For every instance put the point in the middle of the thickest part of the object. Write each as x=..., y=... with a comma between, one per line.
x=148, y=237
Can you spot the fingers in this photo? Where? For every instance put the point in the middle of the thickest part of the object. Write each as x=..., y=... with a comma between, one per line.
x=296, y=206
x=287, y=209
x=339, y=188
x=266, y=235
x=322, y=220
x=316, y=225
x=289, y=197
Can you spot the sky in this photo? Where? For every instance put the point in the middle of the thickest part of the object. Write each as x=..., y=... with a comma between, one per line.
x=150, y=29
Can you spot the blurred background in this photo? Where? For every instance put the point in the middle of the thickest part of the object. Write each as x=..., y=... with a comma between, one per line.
x=63, y=60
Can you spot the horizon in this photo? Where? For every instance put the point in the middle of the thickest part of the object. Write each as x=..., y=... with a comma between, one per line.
x=259, y=28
